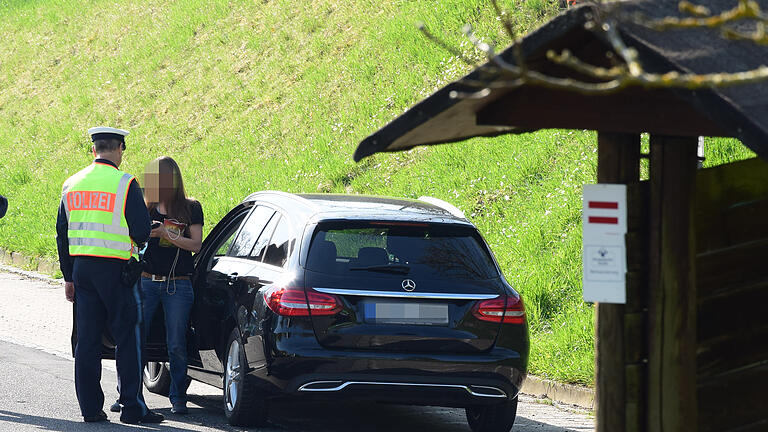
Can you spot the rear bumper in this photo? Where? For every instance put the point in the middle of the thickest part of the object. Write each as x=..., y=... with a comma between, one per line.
x=456, y=380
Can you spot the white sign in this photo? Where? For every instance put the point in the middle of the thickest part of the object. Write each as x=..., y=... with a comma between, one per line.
x=605, y=257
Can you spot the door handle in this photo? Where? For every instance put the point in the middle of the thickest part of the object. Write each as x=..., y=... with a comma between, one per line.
x=251, y=282
x=232, y=278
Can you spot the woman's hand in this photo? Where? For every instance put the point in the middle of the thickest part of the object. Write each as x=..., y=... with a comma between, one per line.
x=159, y=232
x=191, y=243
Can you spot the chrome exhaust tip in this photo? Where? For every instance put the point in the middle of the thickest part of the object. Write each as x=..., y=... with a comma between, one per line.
x=322, y=386
x=486, y=391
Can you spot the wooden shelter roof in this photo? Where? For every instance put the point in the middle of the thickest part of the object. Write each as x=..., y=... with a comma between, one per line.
x=737, y=111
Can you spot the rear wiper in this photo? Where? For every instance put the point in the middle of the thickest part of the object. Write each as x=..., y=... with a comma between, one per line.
x=392, y=268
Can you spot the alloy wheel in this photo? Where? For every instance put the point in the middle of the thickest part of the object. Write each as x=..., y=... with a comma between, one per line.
x=152, y=370
x=232, y=375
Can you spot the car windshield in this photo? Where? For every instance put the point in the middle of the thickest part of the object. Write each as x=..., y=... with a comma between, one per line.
x=436, y=251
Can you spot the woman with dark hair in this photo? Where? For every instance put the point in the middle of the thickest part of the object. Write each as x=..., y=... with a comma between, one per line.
x=177, y=223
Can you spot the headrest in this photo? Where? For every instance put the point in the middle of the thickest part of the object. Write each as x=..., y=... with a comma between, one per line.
x=322, y=254
x=369, y=256
x=406, y=247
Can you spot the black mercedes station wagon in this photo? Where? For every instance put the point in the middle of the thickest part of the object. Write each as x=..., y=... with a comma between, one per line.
x=351, y=297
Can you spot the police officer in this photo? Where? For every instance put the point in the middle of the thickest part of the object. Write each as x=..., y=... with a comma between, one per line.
x=102, y=218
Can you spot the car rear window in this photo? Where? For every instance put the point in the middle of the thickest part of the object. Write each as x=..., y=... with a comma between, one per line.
x=436, y=251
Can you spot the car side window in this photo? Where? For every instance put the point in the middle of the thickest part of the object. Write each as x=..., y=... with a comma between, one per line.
x=250, y=232
x=281, y=244
x=261, y=244
x=228, y=235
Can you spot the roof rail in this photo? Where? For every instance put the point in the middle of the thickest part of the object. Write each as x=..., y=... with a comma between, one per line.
x=450, y=208
x=303, y=200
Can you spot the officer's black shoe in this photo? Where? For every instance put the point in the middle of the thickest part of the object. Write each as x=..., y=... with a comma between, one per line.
x=100, y=417
x=149, y=417
x=115, y=406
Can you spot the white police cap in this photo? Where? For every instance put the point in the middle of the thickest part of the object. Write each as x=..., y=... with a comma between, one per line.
x=104, y=132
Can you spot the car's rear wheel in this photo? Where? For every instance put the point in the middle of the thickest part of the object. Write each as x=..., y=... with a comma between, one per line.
x=243, y=405
x=157, y=378
x=492, y=418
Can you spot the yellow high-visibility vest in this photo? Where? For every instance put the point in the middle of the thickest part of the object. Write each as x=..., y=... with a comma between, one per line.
x=94, y=200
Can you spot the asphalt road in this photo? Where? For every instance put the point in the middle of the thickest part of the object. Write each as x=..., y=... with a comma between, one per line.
x=37, y=386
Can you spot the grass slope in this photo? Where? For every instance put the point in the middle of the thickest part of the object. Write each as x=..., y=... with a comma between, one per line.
x=276, y=94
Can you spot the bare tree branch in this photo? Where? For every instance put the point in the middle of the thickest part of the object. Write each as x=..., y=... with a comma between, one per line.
x=627, y=70
x=504, y=18
x=758, y=36
x=645, y=80
x=746, y=9
x=568, y=59
x=444, y=45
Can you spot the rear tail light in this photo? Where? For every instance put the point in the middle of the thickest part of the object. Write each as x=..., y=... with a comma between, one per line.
x=293, y=301
x=505, y=308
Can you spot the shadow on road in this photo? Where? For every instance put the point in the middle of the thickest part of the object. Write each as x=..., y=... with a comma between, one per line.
x=298, y=415
x=54, y=424
x=323, y=416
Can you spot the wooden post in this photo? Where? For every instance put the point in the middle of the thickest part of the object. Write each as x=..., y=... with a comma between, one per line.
x=672, y=290
x=618, y=161
x=636, y=309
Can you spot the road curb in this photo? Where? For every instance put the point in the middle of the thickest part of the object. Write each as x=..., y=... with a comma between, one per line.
x=36, y=267
x=583, y=397
x=30, y=274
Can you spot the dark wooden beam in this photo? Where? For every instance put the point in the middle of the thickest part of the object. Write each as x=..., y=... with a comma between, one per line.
x=627, y=111
x=672, y=395
x=636, y=309
x=618, y=161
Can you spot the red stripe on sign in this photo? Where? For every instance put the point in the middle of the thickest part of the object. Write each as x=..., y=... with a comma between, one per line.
x=603, y=205
x=603, y=220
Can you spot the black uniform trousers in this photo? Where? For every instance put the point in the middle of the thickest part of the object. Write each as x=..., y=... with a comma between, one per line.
x=101, y=301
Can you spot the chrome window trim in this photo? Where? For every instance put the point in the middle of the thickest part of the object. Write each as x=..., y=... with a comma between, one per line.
x=405, y=294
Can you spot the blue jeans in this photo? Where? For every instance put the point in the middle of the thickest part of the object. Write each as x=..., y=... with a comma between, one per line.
x=176, y=297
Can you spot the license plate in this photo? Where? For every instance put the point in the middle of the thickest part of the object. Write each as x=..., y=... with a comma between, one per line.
x=406, y=313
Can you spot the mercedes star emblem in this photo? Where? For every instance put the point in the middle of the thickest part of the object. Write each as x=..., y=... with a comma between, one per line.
x=408, y=285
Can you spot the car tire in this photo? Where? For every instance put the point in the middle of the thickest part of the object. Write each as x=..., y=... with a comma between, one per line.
x=492, y=418
x=157, y=378
x=243, y=403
